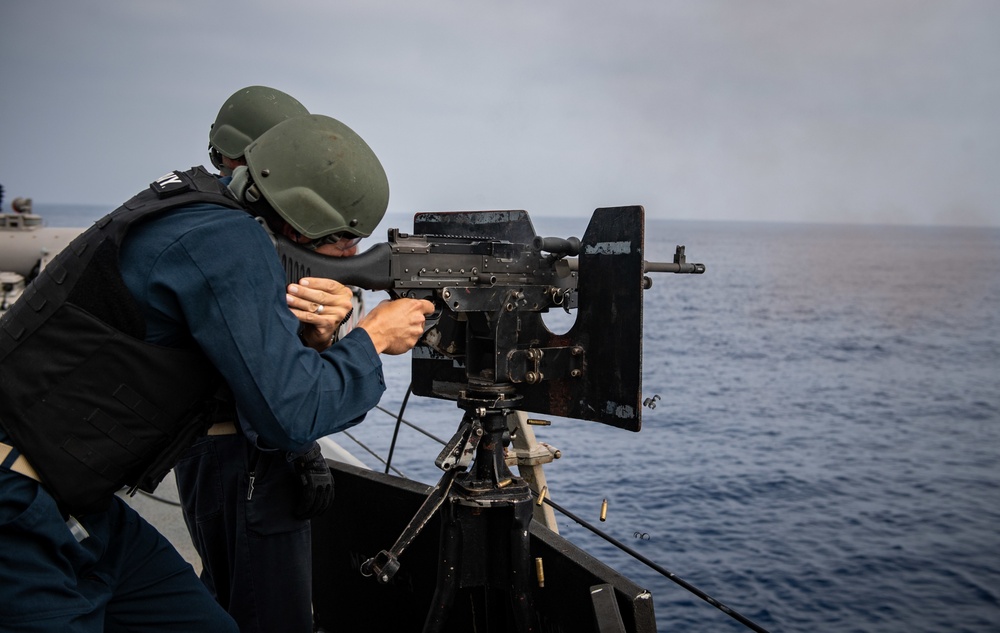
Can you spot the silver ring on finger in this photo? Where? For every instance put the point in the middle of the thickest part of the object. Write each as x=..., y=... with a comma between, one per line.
x=319, y=309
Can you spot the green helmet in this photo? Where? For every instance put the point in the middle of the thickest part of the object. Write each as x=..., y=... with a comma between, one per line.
x=320, y=176
x=247, y=114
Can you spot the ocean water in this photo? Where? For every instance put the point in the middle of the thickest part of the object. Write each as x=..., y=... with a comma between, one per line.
x=824, y=454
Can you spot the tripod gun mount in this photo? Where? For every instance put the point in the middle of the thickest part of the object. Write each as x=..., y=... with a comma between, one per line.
x=491, y=277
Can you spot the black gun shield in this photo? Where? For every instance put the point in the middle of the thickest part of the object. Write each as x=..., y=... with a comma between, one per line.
x=608, y=327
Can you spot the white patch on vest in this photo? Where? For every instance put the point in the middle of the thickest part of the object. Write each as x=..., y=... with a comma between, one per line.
x=168, y=179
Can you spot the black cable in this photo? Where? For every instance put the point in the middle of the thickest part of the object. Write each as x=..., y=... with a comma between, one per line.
x=412, y=425
x=395, y=432
x=668, y=574
x=373, y=454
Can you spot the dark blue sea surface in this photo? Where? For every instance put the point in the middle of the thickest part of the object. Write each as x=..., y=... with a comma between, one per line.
x=824, y=454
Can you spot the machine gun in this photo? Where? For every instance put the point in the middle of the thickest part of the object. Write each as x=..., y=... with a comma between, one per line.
x=492, y=277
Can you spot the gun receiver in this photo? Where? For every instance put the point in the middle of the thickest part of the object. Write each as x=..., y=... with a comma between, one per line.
x=492, y=278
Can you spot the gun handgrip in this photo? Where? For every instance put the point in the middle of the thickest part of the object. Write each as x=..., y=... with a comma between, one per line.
x=561, y=246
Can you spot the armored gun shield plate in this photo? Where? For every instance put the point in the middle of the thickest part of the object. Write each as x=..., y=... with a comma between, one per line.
x=608, y=324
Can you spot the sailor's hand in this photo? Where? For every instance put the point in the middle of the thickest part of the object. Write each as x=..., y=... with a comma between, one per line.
x=321, y=305
x=316, y=493
x=396, y=326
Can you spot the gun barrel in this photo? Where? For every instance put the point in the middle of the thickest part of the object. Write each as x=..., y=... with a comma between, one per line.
x=671, y=267
x=654, y=267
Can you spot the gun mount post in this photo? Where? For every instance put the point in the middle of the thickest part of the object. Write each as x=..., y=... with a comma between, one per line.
x=486, y=514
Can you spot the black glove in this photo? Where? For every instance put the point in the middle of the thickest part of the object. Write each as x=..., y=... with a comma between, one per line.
x=317, y=484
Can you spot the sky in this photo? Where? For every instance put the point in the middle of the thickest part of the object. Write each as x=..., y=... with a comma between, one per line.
x=868, y=111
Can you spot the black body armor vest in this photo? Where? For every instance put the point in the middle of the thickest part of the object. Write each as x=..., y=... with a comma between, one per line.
x=91, y=405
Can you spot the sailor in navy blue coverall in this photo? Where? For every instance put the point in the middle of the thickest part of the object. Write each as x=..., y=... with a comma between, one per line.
x=248, y=509
x=207, y=276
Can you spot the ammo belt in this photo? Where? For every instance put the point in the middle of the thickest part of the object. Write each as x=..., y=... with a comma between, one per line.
x=19, y=464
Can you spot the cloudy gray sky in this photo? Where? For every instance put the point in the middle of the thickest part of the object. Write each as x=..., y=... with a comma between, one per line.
x=798, y=110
